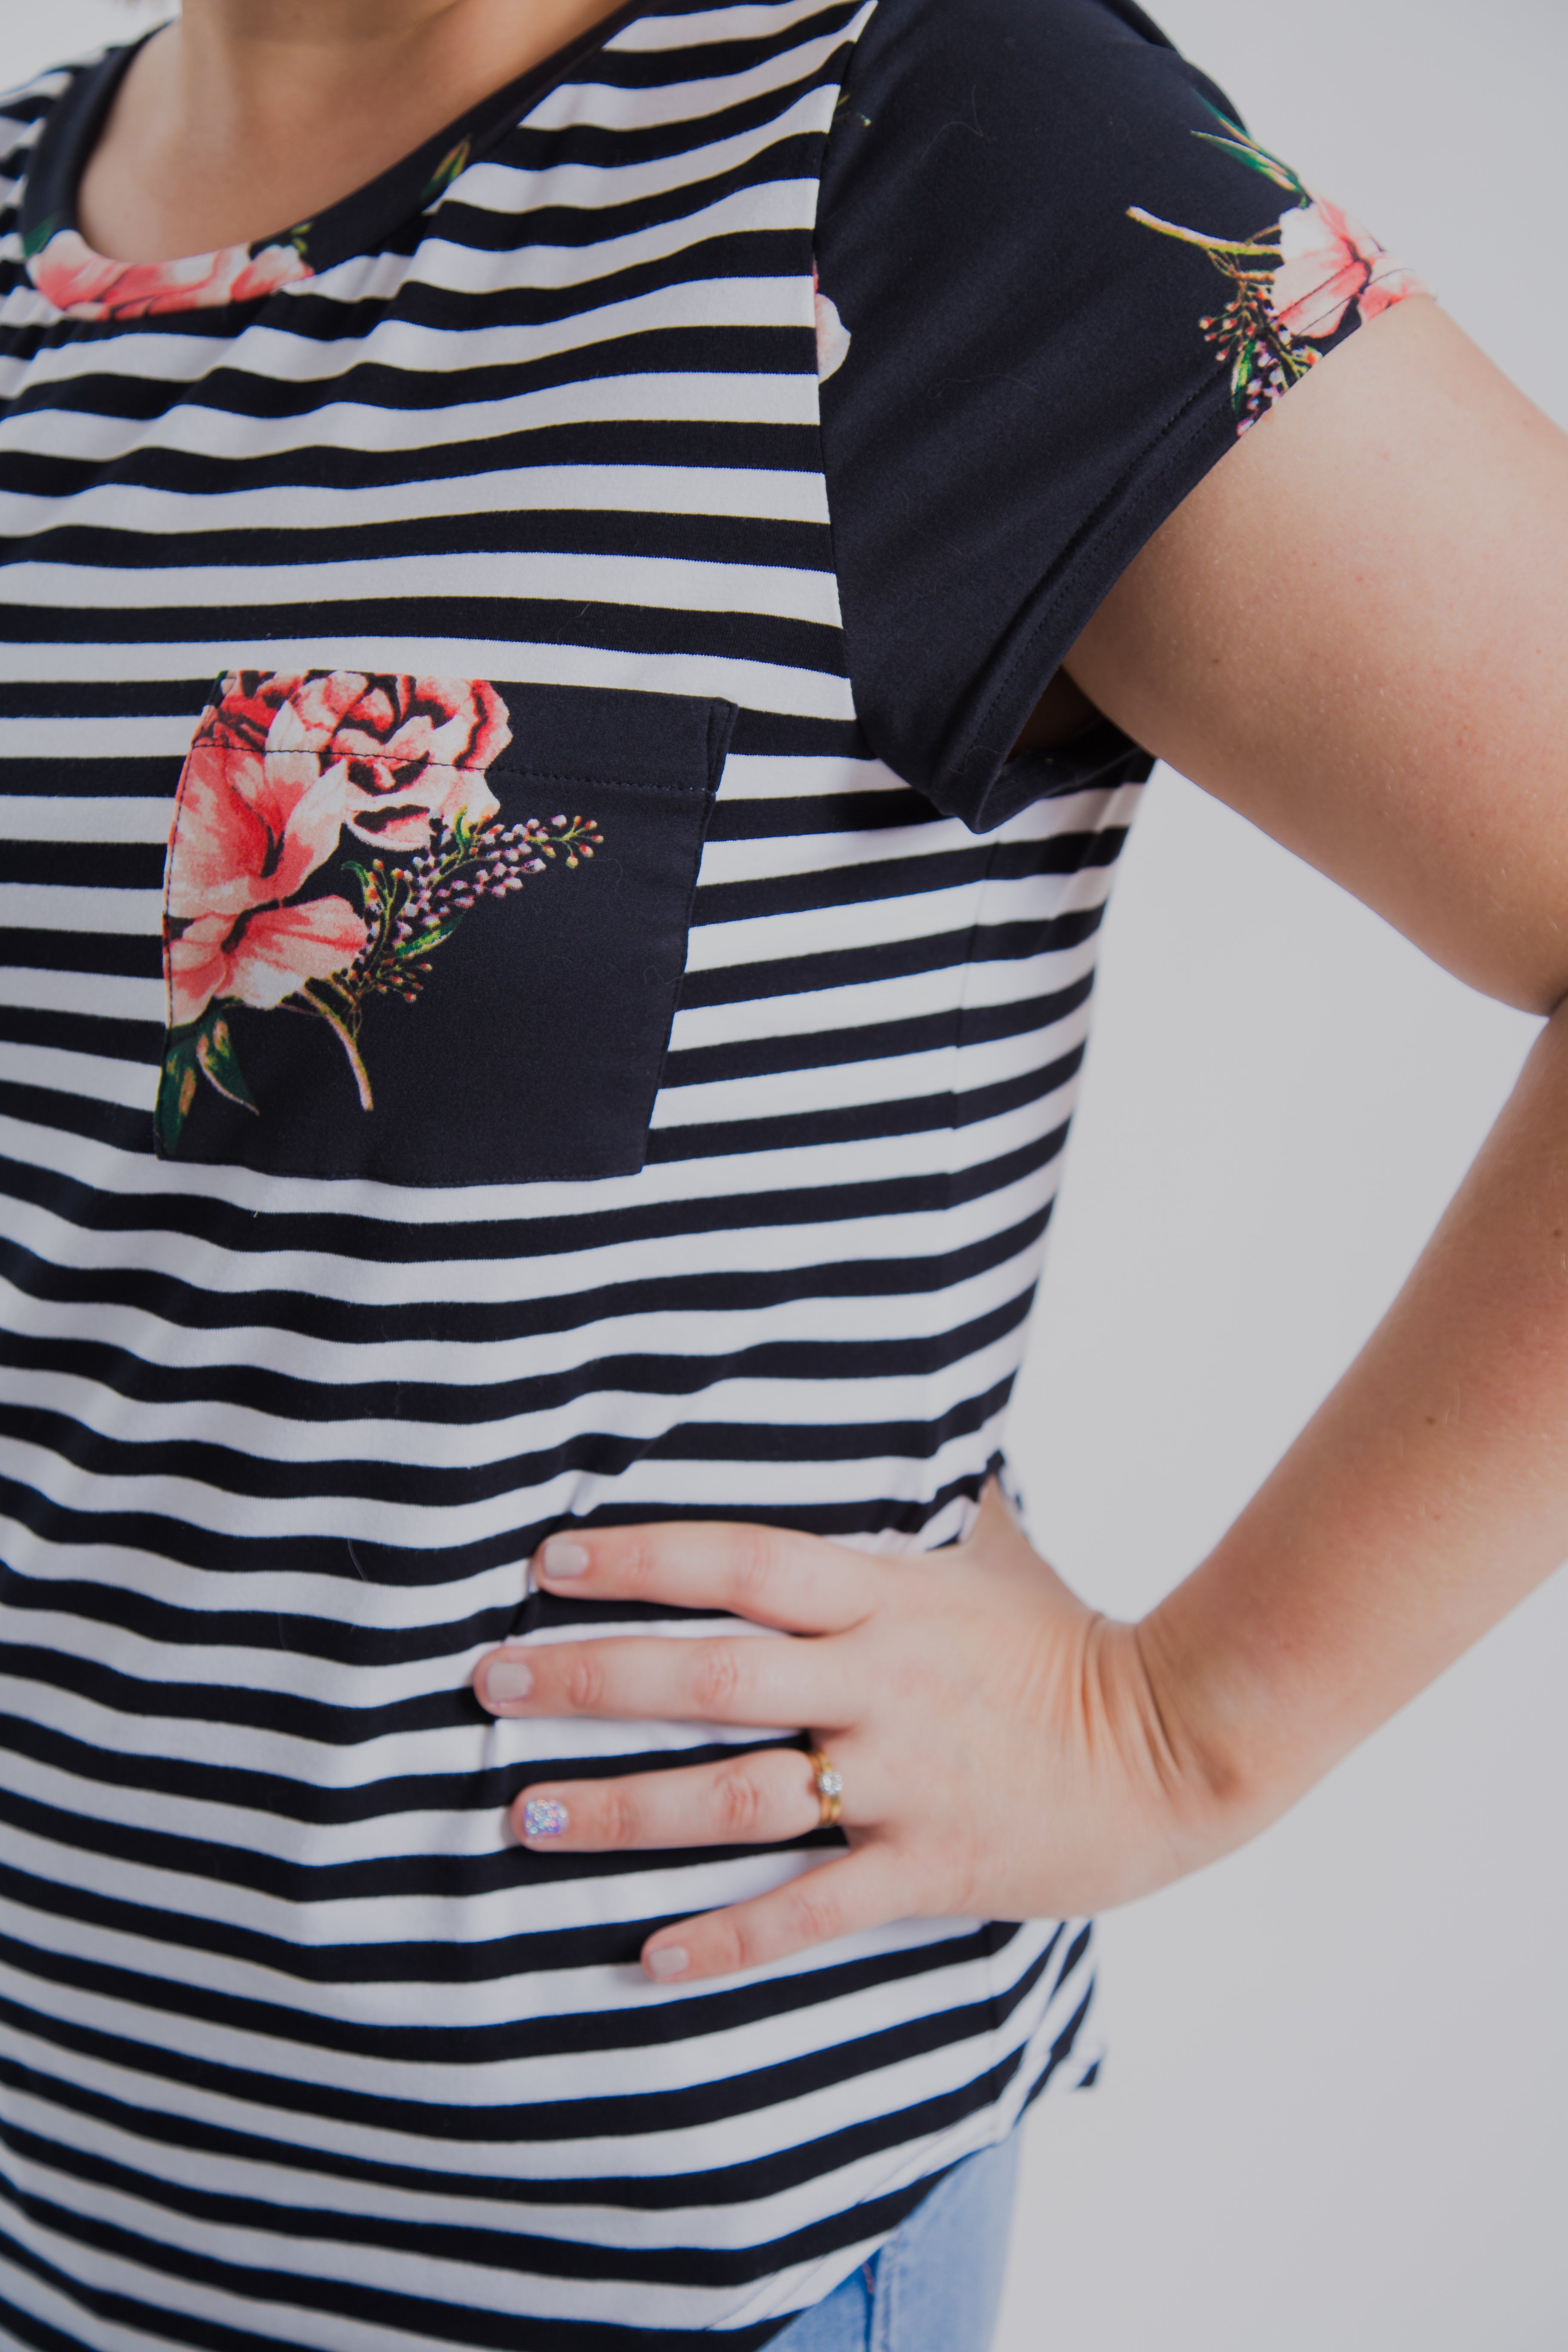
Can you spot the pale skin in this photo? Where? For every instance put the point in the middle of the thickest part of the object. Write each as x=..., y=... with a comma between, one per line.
x=1355, y=633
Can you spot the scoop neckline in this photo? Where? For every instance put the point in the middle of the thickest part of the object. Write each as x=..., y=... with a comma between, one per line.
x=361, y=223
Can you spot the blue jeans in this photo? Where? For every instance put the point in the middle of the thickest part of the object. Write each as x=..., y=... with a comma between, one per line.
x=937, y=2283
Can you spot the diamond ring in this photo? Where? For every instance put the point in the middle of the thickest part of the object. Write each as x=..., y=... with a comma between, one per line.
x=829, y=1784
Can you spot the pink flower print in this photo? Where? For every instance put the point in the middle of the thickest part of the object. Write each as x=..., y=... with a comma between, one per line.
x=281, y=762
x=416, y=750
x=401, y=817
x=405, y=749
x=264, y=272
x=250, y=827
x=832, y=334
x=1293, y=285
x=248, y=703
x=1327, y=262
x=282, y=765
x=261, y=956
x=88, y=285
x=68, y=274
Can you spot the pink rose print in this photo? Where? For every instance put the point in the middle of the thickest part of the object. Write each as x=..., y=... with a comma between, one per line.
x=88, y=285
x=285, y=766
x=1292, y=284
x=400, y=750
x=416, y=750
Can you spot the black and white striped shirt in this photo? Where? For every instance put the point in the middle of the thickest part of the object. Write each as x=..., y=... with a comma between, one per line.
x=492, y=1036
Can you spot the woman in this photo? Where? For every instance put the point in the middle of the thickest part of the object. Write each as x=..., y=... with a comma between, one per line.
x=589, y=598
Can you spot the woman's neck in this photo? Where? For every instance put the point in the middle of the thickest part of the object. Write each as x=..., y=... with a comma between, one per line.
x=245, y=116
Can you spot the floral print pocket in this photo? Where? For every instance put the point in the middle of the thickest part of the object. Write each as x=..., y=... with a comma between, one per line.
x=429, y=930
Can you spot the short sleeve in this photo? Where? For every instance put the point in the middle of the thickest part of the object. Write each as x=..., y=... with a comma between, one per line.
x=1056, y=280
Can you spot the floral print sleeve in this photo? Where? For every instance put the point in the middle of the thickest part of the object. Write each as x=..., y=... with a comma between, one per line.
x=1055, y=277
x=1293, y=284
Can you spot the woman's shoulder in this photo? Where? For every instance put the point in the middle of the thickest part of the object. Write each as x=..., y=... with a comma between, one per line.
x=1050, y=54
x=1060, y=278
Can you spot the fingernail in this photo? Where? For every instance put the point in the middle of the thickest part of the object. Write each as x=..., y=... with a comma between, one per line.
x=562, y=1556
x=669, y=1960
x=544, y=1817
x=508, y=1679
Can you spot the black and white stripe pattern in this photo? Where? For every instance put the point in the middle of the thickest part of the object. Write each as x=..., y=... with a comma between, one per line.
x=296, y=2047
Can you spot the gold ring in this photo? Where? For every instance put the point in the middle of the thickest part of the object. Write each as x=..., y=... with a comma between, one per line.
x=830, y=1783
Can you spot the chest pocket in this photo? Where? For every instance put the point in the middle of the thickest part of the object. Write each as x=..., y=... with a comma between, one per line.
x=429, y=930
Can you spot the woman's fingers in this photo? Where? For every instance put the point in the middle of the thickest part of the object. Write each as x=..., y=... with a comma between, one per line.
x=865, y=1889
x=742, y=1679
x=759, y=1798
x=799, y=1584
x=819, y=1648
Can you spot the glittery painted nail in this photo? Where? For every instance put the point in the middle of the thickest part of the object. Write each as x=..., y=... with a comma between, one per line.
x=544, y=1817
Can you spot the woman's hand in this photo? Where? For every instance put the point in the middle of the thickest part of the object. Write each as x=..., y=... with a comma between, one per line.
x=1002, y=1750
x=1353, y=631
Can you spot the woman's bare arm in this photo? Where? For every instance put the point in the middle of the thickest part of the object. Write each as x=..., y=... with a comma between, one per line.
x=1356, y=632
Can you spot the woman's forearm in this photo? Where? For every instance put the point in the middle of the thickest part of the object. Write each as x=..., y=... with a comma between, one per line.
x=1427, y=1496
x=1006, y=1752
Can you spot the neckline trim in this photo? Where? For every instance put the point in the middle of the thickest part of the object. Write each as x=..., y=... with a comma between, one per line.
x=91, y=288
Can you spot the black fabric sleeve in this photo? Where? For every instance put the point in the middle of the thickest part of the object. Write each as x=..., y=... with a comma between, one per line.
x=1056, y=280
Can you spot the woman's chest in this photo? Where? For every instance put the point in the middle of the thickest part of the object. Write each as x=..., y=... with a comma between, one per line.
x=364, y=707
x=427, y=748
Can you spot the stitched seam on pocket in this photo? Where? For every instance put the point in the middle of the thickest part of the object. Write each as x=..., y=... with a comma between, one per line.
x=623, y=783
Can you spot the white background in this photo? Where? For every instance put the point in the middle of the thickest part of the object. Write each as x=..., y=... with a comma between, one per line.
x=1332, y=2119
